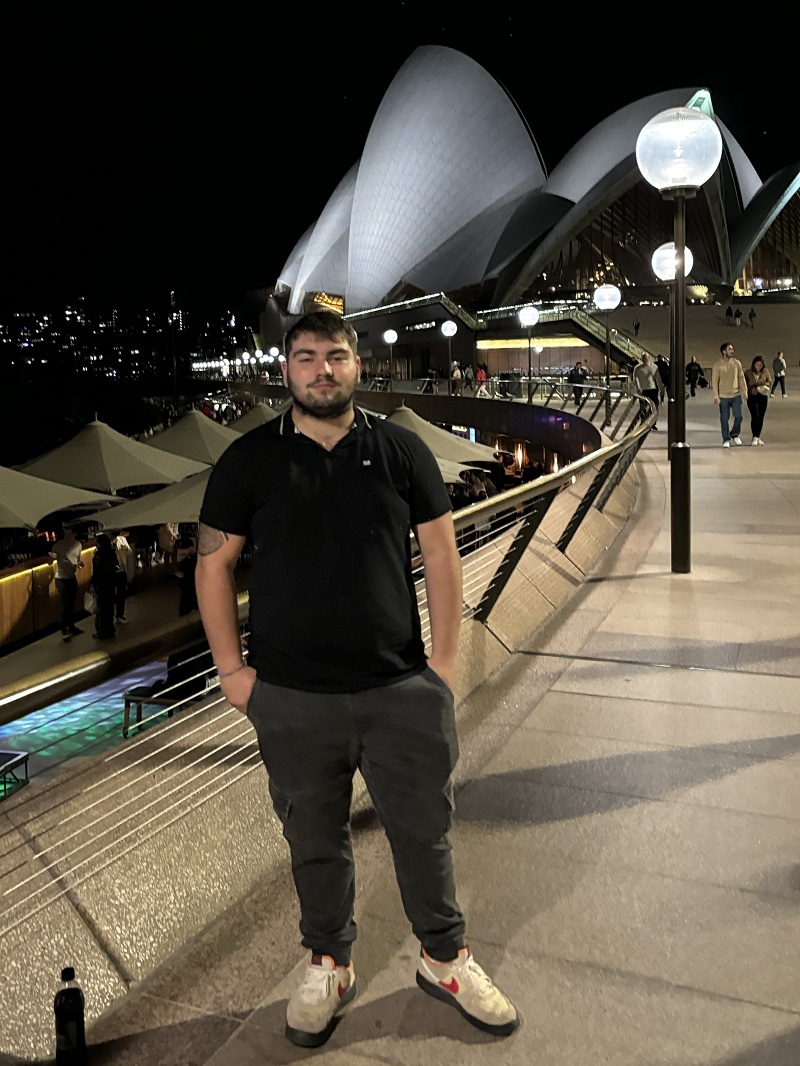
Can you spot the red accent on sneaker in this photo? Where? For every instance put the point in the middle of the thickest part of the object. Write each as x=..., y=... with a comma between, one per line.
x=342, y=989
x=451, y=985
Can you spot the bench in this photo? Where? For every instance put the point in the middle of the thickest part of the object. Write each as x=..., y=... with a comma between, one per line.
x=10, y=761
x=137, y=700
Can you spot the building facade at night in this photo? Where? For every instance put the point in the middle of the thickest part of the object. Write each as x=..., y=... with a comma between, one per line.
x=451, y=196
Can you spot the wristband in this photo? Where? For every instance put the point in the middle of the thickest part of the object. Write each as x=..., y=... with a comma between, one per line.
x=230, y=673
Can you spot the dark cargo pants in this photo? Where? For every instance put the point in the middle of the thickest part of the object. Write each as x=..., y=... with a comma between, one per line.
x=402, y=738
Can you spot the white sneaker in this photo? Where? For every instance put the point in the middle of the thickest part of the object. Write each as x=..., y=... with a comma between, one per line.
x=754, y=442
x=726, y=444
x=313, y=1010
x=737, y=441
x=463, y=985
x=760, y=442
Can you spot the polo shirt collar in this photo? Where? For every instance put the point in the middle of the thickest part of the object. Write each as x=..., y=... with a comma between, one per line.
x=287, y=428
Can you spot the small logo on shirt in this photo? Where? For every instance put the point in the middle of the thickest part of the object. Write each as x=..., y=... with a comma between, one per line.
x=366, y=462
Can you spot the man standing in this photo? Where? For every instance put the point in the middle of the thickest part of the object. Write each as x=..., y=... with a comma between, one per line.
x=337, y=678
x=779, y=373
x=694, y=372
x=730, y=388
x=646, y=382
x=662, y=366
x=577, y=378
x=67, y=554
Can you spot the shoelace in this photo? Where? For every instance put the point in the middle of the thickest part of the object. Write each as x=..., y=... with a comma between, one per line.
x=480, y=981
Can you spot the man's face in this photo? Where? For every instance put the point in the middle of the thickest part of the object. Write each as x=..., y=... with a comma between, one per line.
x=727, y=351
x=321, y=375
x=69, y=534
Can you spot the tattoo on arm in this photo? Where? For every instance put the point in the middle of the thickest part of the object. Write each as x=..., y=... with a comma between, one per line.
x=210, y=540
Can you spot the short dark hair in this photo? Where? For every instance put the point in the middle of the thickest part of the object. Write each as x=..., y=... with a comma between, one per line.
x=322, y=324
x=724, y=345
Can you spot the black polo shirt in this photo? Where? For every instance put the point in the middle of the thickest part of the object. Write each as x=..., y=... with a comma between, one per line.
x=332, y=602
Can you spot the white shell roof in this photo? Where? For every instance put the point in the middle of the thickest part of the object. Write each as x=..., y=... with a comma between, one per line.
x=608, y=143
x=446, y=144
x=450, y=187
x=324, y=264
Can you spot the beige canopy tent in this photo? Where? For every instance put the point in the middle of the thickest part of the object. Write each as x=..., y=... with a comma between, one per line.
x=256, y=416
x=451, y=472
x=443, y=443
x=195, y=436
x=100, y=459
x=175, y=503
x=25, y=499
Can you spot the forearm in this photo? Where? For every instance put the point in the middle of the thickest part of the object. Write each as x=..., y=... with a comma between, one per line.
x=443, y=588
x=217, y=601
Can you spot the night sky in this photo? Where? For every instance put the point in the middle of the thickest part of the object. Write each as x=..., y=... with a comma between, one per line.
x=153, y=152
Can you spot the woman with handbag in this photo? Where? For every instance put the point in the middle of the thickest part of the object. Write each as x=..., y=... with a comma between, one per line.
x=758, y=380
x=105, y=566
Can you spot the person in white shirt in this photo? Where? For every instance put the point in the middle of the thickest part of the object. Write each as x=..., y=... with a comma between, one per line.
x=779, y=373
x=67, y=554
x=122, y=547
x=646, y=381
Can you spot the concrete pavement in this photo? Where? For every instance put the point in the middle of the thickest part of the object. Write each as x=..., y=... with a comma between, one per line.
x=626, y=830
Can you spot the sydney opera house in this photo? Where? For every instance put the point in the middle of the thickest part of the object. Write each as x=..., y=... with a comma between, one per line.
x=450, y=213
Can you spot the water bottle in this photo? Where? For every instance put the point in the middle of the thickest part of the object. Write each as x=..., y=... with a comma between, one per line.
x=70, y=1033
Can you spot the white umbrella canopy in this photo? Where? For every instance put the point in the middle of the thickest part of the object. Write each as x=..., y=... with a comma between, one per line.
x=175, y=503
x=194, y=436
x=100, y=458
x=182, y=502
x=256, y=416
x=443, y=443
x=451, y=472
x=25, y=499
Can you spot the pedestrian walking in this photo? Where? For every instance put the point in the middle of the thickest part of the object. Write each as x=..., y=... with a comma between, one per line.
x=469, y=378
x=480, y=378
x=664, y=384
x=126, y=568
x=751, y=314
x=67, y=553
x=737, y=316
x=577, y=378
x=336, y=678
x=758, y=391
x=105, y=567
x=730, y=388
x=693, y=374
x=636, y=327
x=646, y=382
x=779, y=373
x=729, y=314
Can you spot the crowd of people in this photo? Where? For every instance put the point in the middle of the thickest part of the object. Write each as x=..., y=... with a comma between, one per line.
x=115, y=565
x=731, y=386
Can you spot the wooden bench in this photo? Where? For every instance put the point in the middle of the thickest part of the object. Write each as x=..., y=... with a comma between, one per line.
x=137, y=700
x=10, y=761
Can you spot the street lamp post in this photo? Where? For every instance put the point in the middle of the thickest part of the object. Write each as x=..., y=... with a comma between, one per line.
x=606, y=299
x=539, y=349
x=449, y=330
x=390, y=338
x=664, y=267
x=677, y=151
x=528, y=317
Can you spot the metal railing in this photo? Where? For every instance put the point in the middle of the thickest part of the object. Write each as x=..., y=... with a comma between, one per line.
x=84, y=823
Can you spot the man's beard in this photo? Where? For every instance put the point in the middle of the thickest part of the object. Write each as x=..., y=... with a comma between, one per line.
x=325, y=405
